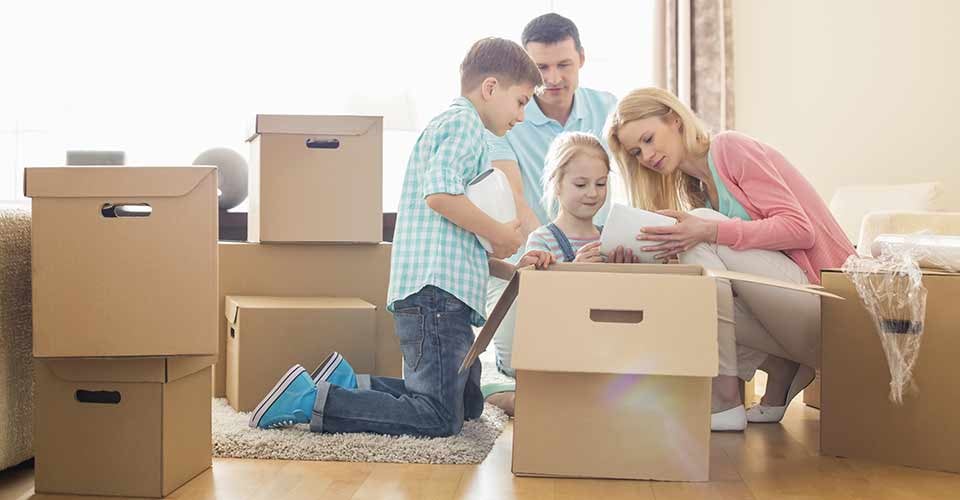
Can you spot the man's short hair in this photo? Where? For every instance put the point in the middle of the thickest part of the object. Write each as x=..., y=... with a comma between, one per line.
x=500, y=58
x=551, y=28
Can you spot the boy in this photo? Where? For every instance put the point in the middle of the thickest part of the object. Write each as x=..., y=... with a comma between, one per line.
x=438, y=273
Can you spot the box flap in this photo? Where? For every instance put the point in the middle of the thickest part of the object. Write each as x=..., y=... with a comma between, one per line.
x=326, y=125
x=157, y=370
x=925, y=270
x=181, y=366
x=233, y=304
x=117, y=182
x=510, y=293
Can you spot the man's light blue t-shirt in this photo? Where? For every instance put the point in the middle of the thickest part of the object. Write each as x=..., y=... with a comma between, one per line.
x=528, y=141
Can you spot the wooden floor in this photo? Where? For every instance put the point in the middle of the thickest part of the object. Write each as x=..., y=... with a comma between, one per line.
x=772, y=461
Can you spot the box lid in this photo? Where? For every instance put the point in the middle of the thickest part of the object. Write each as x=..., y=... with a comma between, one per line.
x=100, y=182
x=326, y=125
x=157, y=370
x=234, y=303
x=622, y=314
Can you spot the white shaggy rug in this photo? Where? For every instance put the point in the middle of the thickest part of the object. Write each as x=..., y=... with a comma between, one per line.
x=234, y=439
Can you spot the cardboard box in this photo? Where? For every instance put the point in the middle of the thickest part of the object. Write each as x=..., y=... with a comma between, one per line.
x=124, y=261
x=858, y=420
x=267, y=335
x=623, y=372
x=361, y=271
x=316, y=179
x=811, y=395
x=122, y=427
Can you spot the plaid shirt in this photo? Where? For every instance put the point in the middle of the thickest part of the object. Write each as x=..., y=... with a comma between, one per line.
x=428, y=249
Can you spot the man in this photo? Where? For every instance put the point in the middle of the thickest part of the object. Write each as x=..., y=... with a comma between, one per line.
x=553, y=42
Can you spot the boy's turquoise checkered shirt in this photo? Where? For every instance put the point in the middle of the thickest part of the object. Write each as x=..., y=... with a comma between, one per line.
x=428, y=249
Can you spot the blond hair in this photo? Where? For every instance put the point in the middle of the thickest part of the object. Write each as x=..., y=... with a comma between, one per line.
x=646, y=188
x=564, y=148
x=499, y=58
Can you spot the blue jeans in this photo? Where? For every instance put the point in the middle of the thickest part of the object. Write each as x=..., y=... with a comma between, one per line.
x=432, y=399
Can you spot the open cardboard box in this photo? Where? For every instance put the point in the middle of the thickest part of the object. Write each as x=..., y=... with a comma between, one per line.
x=614, y=365
x=857, y=419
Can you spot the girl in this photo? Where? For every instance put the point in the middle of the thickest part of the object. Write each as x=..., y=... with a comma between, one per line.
x=753, y=213
x=574, y=190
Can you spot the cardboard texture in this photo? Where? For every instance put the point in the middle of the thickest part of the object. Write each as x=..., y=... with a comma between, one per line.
x=109, y=280
x=811, y=395
x=136, y=427
x=858, y=420
x=267, y=335
x=361, y=271
x=316, y=179
x=638, y=360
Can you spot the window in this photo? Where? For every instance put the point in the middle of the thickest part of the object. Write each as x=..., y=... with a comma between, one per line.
x=165, y=81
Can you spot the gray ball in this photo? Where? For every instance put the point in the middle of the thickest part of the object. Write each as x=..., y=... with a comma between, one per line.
x=231, y=174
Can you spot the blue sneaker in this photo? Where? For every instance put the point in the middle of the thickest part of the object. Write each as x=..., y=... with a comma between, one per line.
x=290, y=402
x=337, y=371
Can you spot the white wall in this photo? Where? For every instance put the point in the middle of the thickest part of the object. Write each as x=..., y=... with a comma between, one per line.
x=853, y=91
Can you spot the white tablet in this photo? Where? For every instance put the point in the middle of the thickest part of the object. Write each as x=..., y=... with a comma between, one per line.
x=624, y=224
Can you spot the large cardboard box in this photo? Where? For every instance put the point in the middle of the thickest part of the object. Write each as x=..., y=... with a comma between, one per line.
x=316, y=179
x=361, y=271
x=124, y=261
x=858, y=420
x=267, y=335
x=614, y=365
x=124, y=427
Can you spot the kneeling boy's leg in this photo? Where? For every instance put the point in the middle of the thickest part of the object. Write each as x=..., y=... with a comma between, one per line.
x=435, y=334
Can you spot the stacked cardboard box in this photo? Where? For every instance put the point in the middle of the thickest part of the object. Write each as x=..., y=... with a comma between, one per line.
x=124, y=305
x=313, y=277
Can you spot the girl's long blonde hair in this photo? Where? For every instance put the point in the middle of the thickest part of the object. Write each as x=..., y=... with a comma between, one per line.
x=646, y=188
x=563, y=149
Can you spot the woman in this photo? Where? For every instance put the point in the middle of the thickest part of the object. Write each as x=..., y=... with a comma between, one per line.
x=752, y=212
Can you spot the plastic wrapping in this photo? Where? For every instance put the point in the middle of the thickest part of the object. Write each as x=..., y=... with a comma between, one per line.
x=930, y=250
x=891, y=288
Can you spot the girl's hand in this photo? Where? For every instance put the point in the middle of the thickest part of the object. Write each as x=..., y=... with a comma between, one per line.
x=689, y=231
x=539, y=258
x=623, y=256
x=589, y=253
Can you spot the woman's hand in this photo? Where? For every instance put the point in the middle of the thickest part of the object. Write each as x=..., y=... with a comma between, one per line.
x=589, y=253
x=689, y=231
x=539, y=258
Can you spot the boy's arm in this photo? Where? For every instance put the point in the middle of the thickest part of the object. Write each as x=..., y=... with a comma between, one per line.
x=505, y=238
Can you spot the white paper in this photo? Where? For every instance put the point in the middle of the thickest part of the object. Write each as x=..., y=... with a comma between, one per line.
x=624, y=224
x=490, y=191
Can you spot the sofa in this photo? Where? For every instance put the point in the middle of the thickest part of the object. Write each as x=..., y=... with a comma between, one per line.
x=16, y=339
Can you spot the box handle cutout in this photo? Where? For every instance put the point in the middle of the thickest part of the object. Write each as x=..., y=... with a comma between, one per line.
x=111, y=211
x=98, y=397
x=323, y=143
x=233, y=332
x=615, y=316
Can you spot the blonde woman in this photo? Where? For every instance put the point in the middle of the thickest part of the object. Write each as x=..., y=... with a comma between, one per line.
x=750, y=211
